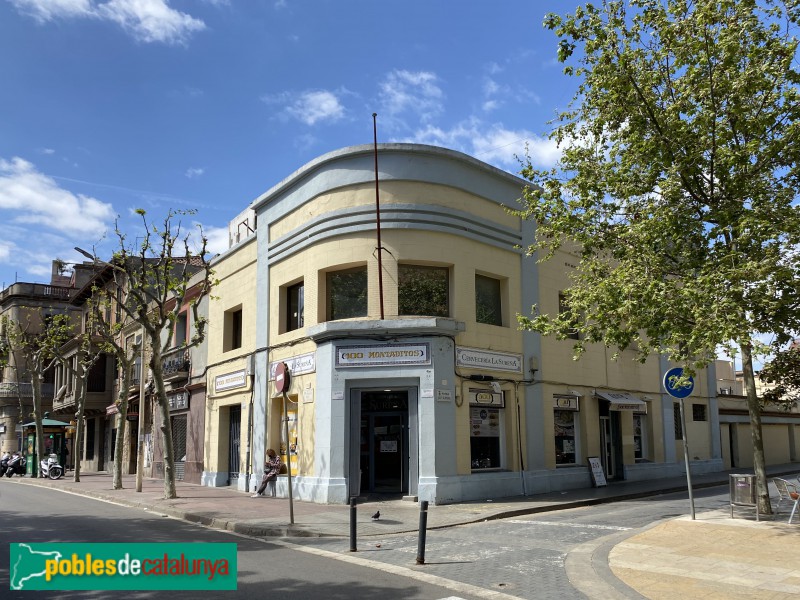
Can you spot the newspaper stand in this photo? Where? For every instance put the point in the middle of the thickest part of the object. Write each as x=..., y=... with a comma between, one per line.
x=743, y=492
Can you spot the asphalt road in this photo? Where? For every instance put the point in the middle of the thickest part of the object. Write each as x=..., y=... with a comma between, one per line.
x=267, y=569
x=529, y=556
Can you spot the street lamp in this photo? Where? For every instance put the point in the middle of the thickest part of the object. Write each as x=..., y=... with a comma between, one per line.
x=142, y=405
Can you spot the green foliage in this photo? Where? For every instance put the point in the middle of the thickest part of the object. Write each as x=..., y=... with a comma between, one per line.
x=678, y=177
x=782, y=375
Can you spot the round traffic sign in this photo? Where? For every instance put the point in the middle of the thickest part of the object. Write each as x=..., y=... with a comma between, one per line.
x=676, y=385
x=283, y=378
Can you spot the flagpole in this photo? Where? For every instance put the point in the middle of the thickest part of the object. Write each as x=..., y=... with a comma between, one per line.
x=378, y=211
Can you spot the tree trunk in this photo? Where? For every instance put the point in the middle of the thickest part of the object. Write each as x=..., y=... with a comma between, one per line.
x=166, y=425
x=754, y=408
x=81, y=401
x=36, y=391
x=77, y=447
x=124, y=391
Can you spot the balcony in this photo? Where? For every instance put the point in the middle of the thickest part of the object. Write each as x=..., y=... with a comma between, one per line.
x=176, y=364
x=12, y=389
x=38, y=290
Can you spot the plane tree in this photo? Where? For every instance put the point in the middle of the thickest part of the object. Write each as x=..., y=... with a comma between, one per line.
x=677, y=182
x=156, y=278
x=34, y=341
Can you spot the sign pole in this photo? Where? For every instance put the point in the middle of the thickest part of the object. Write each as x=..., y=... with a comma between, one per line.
x=288, y=456
x=680, y=387
x=686, y=456
x=283, y=380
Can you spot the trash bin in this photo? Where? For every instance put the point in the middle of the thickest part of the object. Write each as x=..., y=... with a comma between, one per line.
x=743, y=491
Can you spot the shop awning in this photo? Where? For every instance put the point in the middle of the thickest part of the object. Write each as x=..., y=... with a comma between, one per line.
x=622, y=401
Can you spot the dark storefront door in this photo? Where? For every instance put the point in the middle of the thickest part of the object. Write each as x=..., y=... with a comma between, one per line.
x=384, y=442
x=234, y=441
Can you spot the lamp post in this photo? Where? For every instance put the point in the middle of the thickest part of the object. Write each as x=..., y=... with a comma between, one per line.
x=142, y=405
x=142, y=415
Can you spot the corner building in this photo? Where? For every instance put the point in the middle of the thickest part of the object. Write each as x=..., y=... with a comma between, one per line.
x=413, y=379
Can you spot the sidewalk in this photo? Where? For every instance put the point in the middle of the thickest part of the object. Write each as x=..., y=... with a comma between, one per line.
x=712, y=557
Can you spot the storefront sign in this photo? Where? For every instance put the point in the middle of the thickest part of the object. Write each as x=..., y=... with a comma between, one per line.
x=480, y=397
x=565, y=402
x=475, y=358
x=230, y=381
x=388, y=354
x=298, y=365
x=178, y=401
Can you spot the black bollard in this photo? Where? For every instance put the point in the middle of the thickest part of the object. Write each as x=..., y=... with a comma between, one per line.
x=423, y=524
x=353, y=521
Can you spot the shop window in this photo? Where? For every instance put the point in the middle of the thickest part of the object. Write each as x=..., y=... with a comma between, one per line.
x=699, y=412
x=232, y=329
x=488, y=301
x=89, y=435
x=487, y=414
x=423, y=291
x=565, y=309
x=295, y=306
x=640, y=441
x=347, y=293
x=565, y=430
x=676, y=417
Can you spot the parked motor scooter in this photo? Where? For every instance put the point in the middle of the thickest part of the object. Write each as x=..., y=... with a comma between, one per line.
x=4, y=463
x=16, y=464
x=50, y=467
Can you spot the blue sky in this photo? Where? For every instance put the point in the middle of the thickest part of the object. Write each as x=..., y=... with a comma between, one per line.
x=111, y=105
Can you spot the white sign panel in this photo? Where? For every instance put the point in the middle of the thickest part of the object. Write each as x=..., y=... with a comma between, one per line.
x=385, y=355
x=230, y=381
x=444, y=396
x=298, y=365
x=475, y=358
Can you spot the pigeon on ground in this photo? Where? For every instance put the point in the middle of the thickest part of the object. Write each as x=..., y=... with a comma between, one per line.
x=376, y=516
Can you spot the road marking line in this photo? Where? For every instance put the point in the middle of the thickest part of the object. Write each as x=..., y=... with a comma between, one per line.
x=574, y=525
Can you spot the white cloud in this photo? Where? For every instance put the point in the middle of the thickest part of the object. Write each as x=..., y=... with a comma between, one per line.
x=415, y=92
x=47, y=151
x=217, y=239
x=146, y=20
x=309, y=107
x=492, y=143
x=194, y=172
x=49, y=10
x=30, y=197
x=312, y=107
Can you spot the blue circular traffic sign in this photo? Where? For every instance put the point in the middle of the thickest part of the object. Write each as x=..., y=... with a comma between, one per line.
x=676, y=385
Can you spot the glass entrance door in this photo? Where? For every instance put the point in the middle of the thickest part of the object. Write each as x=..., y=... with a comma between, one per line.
x=388, y=449
x=607, y=452
x=384, y=460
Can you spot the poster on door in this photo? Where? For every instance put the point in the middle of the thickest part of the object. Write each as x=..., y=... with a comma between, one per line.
x=292, y=445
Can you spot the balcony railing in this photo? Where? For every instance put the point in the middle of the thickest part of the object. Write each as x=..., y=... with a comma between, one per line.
x=176, y=364
x=38, y=289
x=13, y=389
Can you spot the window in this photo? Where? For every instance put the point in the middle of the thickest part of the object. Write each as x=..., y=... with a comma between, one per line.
x=181, y=330
x=423, y=291
x=96, y=381
x=488, y=305
x=564, y=309
x=232, y=330
x=486, y=417
x=640, y=437
x=699, y=412
x=295, y=306
x=90, y=425
x=565, y=429
x=676, y=416
x=347, y=293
